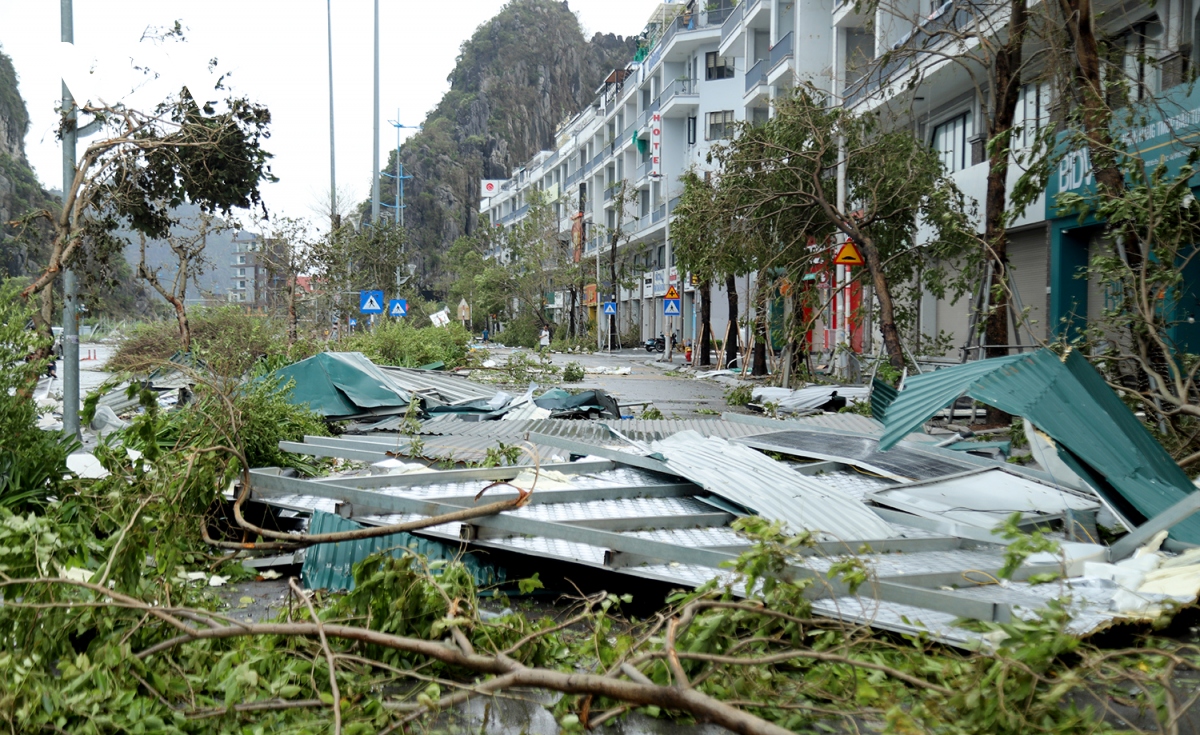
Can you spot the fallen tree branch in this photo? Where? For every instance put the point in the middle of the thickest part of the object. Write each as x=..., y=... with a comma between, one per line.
x=333, y=685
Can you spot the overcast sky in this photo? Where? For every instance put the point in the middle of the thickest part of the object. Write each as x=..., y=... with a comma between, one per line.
x=276, y=51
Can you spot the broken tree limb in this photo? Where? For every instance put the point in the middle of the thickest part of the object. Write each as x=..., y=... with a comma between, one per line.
x=333, y=685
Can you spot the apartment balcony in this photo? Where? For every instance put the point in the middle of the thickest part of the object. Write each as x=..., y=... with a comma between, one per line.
x=684, y=27
x=732, y=30
x=758, y=13
x=644, y=170
x=781, y=54
x=658, y=215
x=939, y=28
x=681, y=97
x=756, y=78
x=644, y=118
x=608, y=192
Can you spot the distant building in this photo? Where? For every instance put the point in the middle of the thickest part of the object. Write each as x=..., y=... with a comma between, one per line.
x=247, y=269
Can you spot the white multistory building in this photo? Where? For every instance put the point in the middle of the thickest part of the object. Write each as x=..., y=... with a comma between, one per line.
x=710, y=64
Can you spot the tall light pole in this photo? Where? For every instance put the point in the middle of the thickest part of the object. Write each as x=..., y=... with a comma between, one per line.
x=70, y=286
x=375, y=122
x=333, y=216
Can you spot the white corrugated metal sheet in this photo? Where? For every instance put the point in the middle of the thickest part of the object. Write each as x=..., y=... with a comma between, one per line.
x=772, y=489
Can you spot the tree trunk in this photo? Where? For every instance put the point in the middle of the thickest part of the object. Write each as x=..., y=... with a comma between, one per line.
x=571, y=327
x=1007, y=86
x=185, y=329
x=732, y=346
x=612, y=280
x=887, y=312
x=759, y=365
x=705, y=345
x=1110, y=180
x=292, y=310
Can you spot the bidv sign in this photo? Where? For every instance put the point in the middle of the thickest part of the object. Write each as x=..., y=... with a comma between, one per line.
x=1075, y=171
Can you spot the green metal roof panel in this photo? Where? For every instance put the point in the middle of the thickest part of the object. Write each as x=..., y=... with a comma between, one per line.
x=341, y=384
x=1068, y=400
x=331, y=566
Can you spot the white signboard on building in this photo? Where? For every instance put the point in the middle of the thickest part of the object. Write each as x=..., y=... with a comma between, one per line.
x=655, y=144
x=489, y=187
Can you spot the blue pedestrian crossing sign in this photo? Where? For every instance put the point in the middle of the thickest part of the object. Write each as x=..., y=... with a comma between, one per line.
x=353, y=322
x=398, y=307
x=671, y=307
x=610, y=308
x=370, y=302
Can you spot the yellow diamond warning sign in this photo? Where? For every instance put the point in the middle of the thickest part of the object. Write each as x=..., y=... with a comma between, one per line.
x=848, y=255
x=671, y=293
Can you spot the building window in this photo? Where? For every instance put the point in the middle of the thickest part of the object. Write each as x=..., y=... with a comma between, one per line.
x=1033, y=114
x=241, y=284
x=1140, y=47
x=241, y=259
x=720, y=124
x=691, y=130
x=717, y=67
x=950, y=142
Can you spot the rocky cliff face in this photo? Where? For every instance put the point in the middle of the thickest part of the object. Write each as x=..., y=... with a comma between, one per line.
x=517, y=78
x=19, y=188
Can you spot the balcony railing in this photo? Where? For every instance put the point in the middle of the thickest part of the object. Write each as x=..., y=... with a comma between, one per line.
x=941, y=26
x=730, y=26
x=756, y=75
x=781, y=51
x=679, y=87
x=608, y=193
x=644, y=169
x=658, y=215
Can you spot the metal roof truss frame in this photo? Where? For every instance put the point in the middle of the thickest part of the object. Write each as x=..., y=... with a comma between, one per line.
x=920, y=590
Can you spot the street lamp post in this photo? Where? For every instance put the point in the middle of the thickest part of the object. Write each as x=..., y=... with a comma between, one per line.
x=399, y=176
x=70, y=343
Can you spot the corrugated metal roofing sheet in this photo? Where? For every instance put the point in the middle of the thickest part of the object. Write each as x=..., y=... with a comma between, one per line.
x=770, y=488
x=471, y=449
x=643, y=430
x=909, y=461
x=449, y=387
x=846, y=422
x=1097, y=435
x=331, y=566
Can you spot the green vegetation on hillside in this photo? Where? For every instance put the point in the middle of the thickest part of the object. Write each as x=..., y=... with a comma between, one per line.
x=518, y=77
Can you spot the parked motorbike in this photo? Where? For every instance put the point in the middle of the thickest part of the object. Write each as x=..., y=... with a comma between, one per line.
x=659, y=343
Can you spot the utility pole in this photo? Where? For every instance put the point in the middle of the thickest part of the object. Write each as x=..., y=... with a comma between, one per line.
x=375, y=122
x=399, y=176
x=70, y=286
x=333, y=210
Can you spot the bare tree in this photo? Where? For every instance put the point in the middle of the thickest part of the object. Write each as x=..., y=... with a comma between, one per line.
x=287, y=255
x=188, y=248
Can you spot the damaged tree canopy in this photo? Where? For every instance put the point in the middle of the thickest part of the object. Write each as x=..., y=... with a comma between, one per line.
x=1095, y=434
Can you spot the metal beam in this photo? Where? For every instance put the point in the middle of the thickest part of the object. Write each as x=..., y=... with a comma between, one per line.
x=267, y=485
x=1164, y=521
x=949, y=528
x=583, y=449
x=317, y=450
x=438, y=477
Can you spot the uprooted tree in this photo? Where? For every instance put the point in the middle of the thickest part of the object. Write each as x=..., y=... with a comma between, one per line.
x=184, y=150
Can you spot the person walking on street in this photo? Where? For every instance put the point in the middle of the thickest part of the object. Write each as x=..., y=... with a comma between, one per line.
x=545, y=340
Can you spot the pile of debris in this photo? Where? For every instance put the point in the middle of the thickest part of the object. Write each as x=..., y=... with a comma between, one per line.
x=658, y=499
